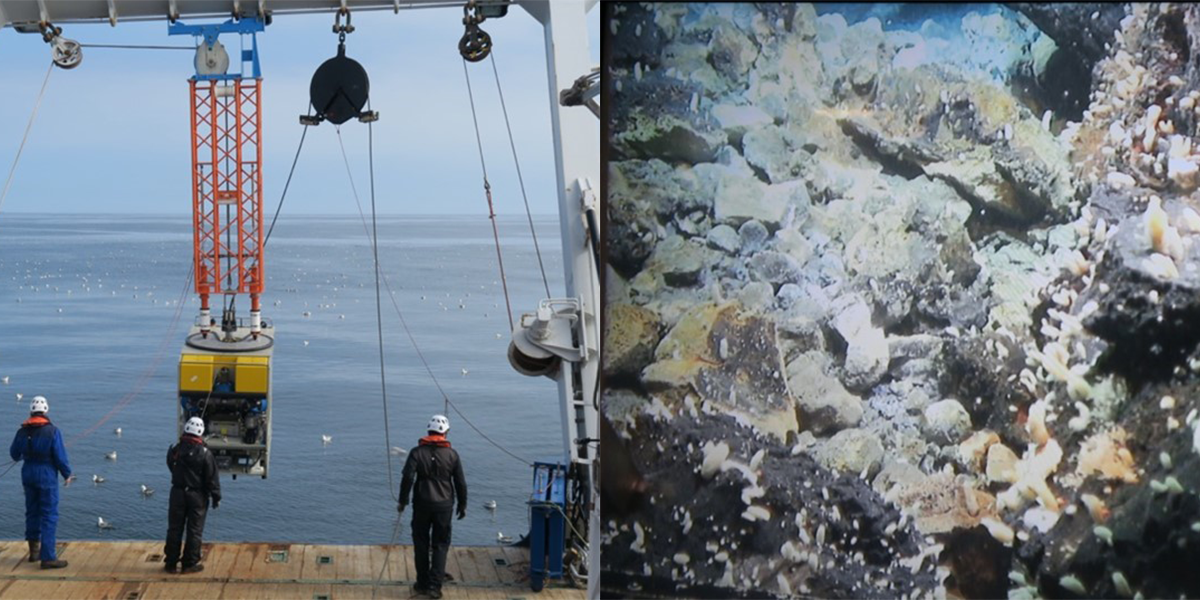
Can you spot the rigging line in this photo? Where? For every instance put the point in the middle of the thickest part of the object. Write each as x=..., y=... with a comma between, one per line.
x=408, y=332
x=137, y=47
x=487, y=188
x=28, y=126
x=295, y=160
x=145, y=377
x=387, y=554
x=528, y=213
x=387, y=434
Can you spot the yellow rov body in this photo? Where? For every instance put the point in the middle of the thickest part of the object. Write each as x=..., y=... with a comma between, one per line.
x=228, y=385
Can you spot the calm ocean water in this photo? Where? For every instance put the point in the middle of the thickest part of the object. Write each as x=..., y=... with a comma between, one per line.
x=86, y=303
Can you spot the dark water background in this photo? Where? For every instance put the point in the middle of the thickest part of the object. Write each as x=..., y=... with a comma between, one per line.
x=93, y=353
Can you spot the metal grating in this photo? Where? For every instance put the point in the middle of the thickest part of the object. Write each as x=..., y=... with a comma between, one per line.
x=320, y=596
x=154, y=558
x=500, y=562
x=324, y=560
x=277, y=556
x=133, y=596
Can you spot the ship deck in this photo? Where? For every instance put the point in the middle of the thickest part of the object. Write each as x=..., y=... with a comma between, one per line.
x=234, y=571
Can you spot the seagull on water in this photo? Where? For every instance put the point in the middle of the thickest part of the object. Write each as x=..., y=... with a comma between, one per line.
x=490, y=505
x=398, y=451
x=19, y=396
x=325, y=439
x=102, y=524
x=111, y=455
x=117, y=431
x=464, y=372
x=97, y=479
x=147, y=491
x=503, y=539
x=4, y=379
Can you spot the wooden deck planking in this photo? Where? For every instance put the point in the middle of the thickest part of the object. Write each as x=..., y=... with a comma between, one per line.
x=112, y=570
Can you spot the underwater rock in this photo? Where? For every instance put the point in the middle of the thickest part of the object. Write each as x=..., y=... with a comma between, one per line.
x=668, y=137
x=724, y=238
x=637, y=38
x=828, y=544
x=775, y=267
x=823, y=403
x=757, y=296
x=731, y=52
x=732, y=360
x=736, y=120
x=851, y=450
x=985, y=370
x=1073, y=28
x=979, y=564
x=776, y=152
x=946, y=422
x=1149, y=320
x=753, y=236
x=680, y=261
x=866, y=345
x=739, y=200
x=631, y=334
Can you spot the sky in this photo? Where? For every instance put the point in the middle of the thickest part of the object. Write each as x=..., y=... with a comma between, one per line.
x=113, y=135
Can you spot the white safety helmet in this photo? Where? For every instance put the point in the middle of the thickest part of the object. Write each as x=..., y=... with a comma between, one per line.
x=439, y=424
x=194, y=426
x=39, y=405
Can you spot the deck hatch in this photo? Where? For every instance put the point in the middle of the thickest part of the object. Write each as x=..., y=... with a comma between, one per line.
x=277, y=556
x=154, y=558
x=324, y=560
x=500, y=562
x=320, y=596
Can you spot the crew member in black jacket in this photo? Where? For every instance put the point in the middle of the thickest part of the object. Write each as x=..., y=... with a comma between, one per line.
x=435, y=468
x=193, y=482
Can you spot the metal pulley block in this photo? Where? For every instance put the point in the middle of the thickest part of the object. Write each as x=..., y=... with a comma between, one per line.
x=211, y=60
x=475, y=44
x=340, y=87
x=66, y=53
x=339, y=90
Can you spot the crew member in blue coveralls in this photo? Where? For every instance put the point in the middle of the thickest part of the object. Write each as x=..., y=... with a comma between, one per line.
x=39, y=443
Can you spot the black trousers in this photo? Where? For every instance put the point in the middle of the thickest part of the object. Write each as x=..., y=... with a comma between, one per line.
x=187, y=510
x=437, y=521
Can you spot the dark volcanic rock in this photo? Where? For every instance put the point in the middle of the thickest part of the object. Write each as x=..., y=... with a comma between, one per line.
x=978, y=563
x=638, y=38
x=986, y=383
x=688, y=512
x=1152, y=323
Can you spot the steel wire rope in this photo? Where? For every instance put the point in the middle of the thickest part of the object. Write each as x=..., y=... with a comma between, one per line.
x=286, y=185
x=24, y=138
x=487, y=188
x=137, y=47
x=408, y=332
x=520, y=179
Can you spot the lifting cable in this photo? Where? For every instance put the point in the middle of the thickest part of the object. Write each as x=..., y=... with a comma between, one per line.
x=487, y=188
x=288, y=184
x=28, y=126
x=387, y=432
x=408, y=332
x=528, y=214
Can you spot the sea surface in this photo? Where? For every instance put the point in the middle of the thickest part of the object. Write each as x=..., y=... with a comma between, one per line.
x=88, y=305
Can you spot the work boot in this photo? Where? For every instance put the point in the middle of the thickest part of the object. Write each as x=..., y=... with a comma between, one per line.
x=53, y=564
x=196, y=568
x=34, y=549
x=435, y=594
x=170, y=567
x=419, y=589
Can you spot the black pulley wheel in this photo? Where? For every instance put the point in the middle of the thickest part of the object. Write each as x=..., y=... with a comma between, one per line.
x=339, y=88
